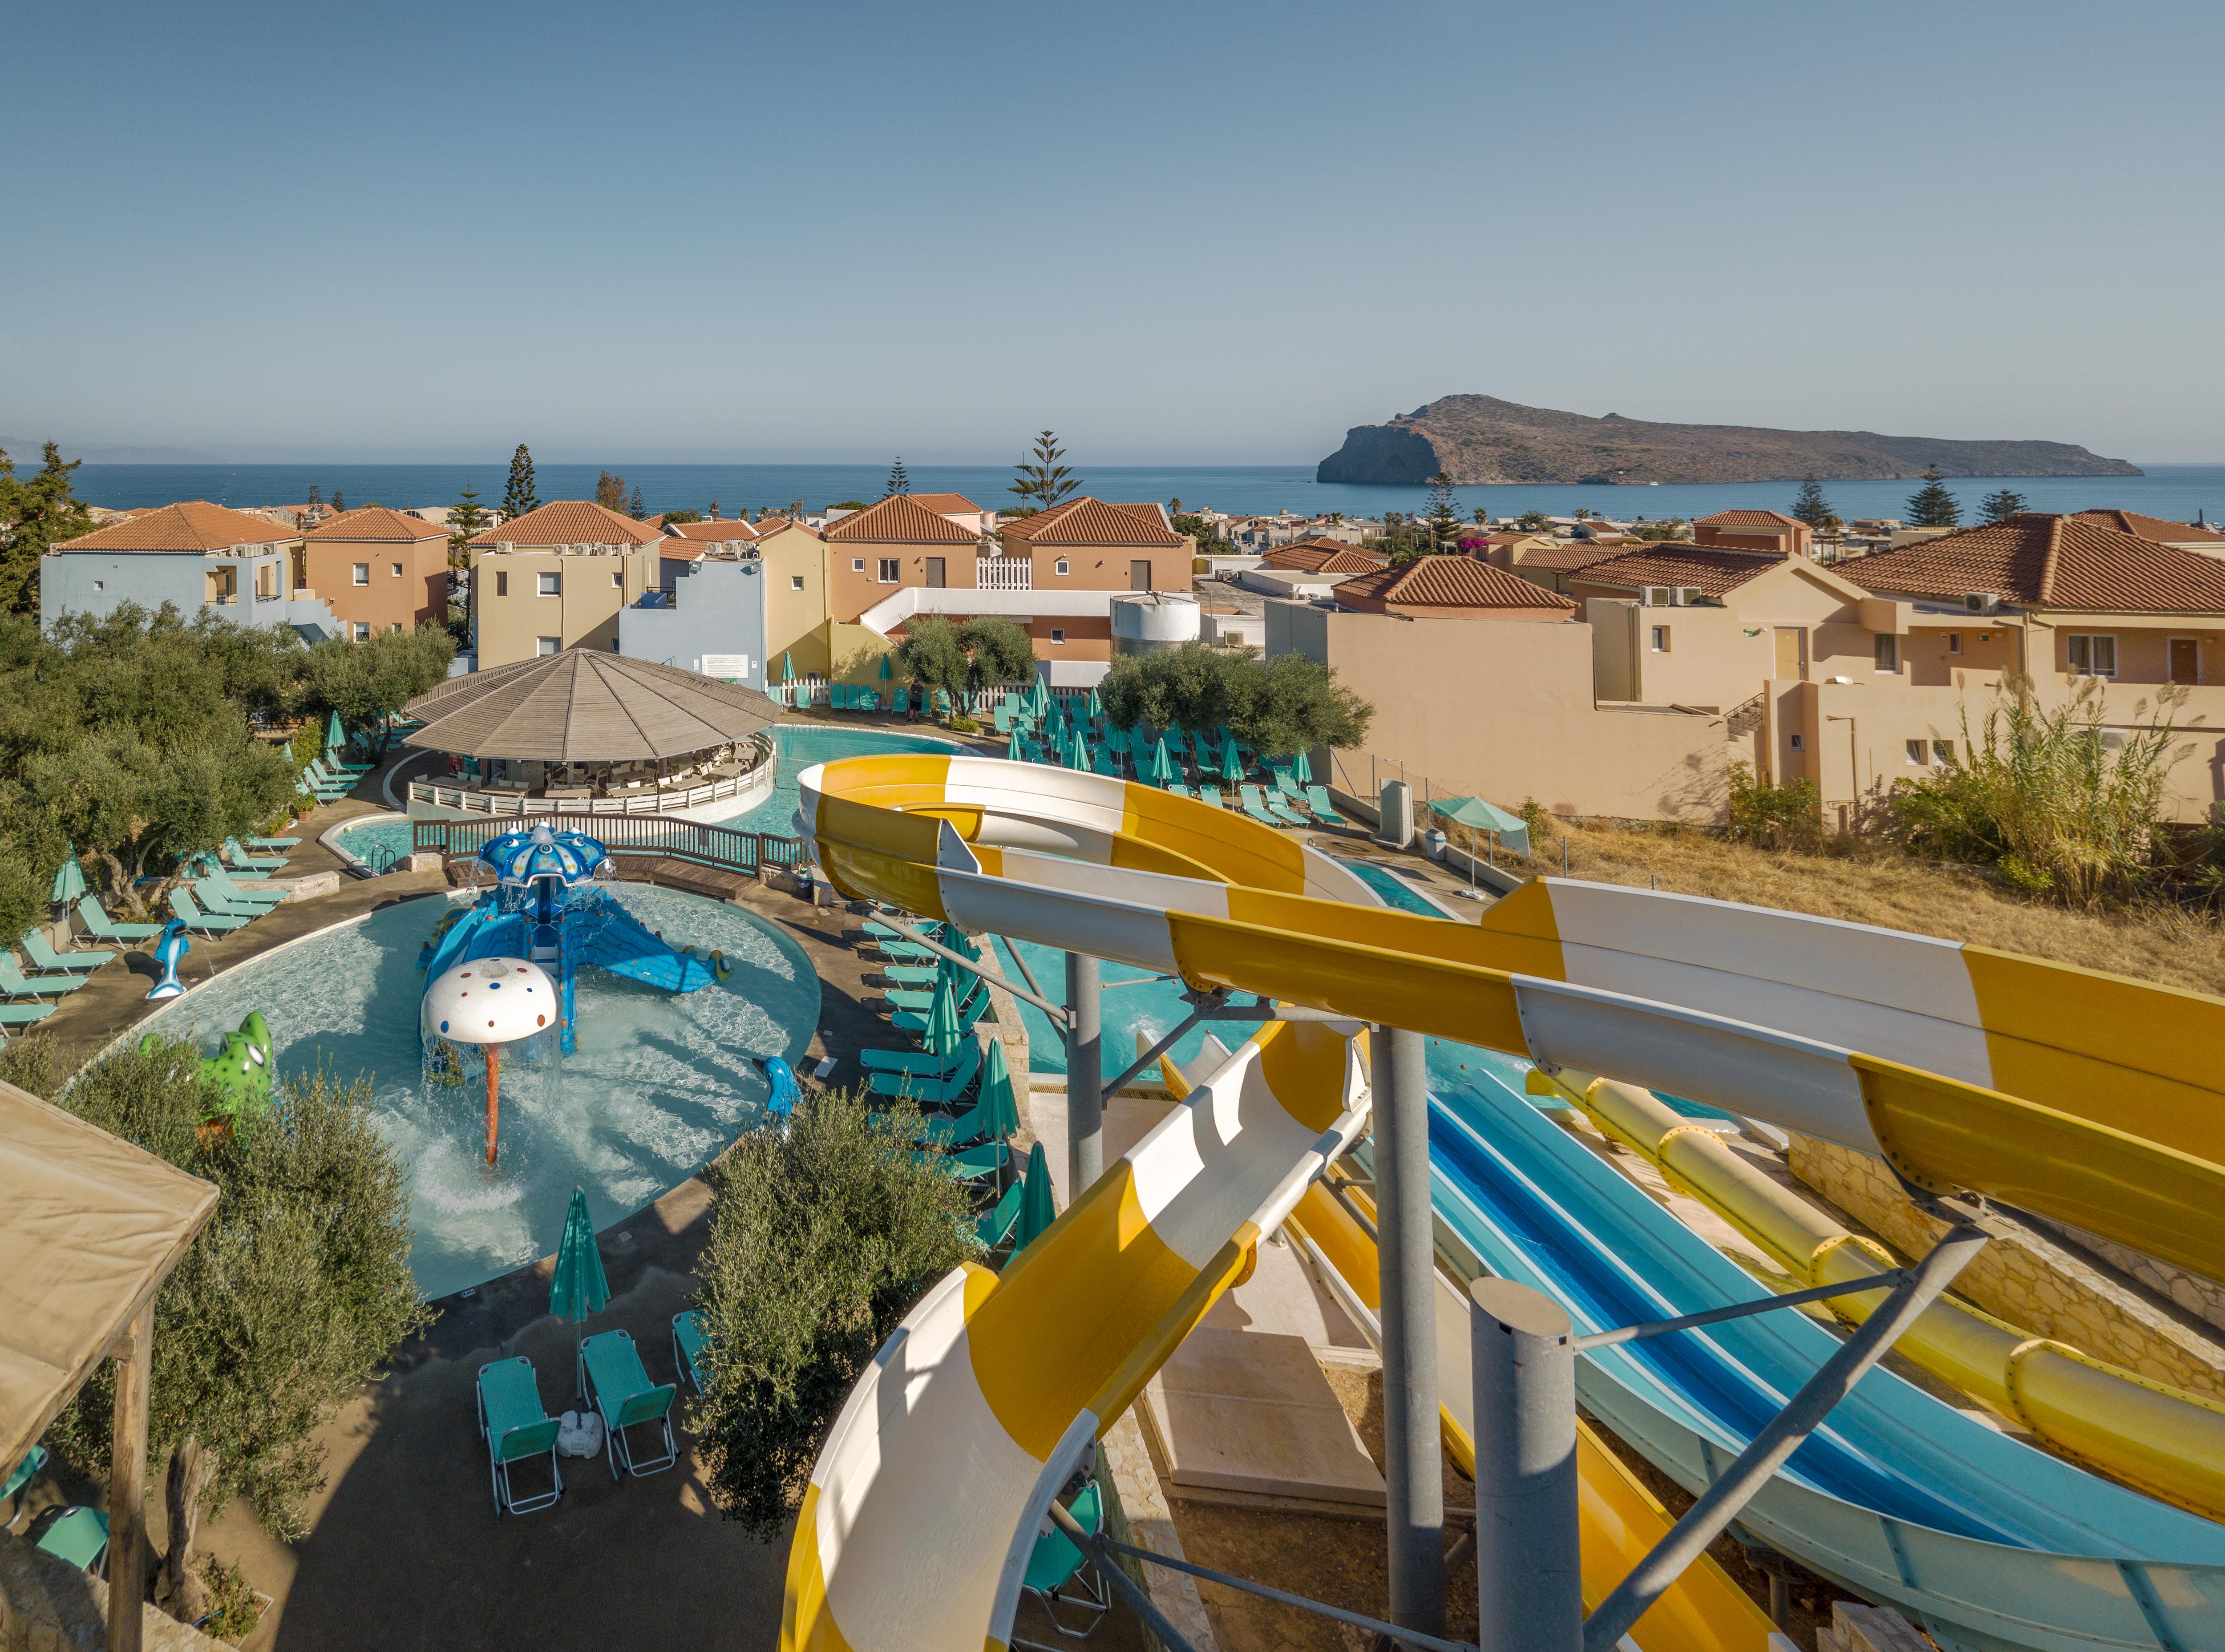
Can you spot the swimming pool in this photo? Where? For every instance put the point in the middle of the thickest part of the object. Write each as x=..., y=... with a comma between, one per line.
x=799, y=745
x=659, y=1085
x=379, y=844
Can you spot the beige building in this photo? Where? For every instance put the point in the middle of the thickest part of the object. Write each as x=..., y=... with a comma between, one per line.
x=795, y=558
x=555, y=579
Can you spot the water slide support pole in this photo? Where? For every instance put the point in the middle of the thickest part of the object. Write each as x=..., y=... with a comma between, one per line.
x=1413, y=1480
x=1834, y=1380
x=1085, y=1078
x=1529, y=1574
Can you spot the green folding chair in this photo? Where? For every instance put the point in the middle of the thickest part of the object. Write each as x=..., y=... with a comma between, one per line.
x=515, y=1426
x=1059, y=1576
x=992, y=1227
x=687, y=1343
x=612, y=1376
x=78, y=1536
x=43, y=956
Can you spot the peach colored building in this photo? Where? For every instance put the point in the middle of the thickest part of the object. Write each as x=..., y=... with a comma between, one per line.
x=1753, y=531
x=378, y=570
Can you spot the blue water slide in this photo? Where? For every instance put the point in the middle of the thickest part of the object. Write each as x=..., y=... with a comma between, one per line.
x=1988, y=1542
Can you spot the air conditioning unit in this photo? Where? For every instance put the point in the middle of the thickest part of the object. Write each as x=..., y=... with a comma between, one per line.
x=1981, y=602
x=1657, y=597
x=1686, y=597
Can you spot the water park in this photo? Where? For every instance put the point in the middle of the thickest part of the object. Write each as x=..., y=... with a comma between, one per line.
x=1350, y=1247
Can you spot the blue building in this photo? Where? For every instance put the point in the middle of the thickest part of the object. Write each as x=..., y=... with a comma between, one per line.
x=194, y=556
x=712, y=620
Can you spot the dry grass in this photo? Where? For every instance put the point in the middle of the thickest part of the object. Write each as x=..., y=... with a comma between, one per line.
x=1878, y=885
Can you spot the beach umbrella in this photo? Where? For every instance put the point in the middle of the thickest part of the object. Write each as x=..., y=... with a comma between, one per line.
x=885, y=672
x=1162, y=768
x=1080, y=751
x=1096, y=706
x=1037, y=1209
x=335, y=736
x=1232, y=763
x=578, y=1288
x=1301, y=771
x=996, y=1092
x=1012, y=748
x=69, y=882
x=942, y=1032
x=1042, y=701
x=1479, y=816
x=786, y=668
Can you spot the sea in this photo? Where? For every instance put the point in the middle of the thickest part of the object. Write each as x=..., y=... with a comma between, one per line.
x=2176, y=493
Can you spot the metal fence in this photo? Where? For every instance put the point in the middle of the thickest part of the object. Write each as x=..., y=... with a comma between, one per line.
x=725, y=847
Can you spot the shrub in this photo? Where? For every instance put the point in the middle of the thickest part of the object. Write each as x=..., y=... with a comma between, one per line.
x=964, y=725
x=1774, y=817
x=822, y=1237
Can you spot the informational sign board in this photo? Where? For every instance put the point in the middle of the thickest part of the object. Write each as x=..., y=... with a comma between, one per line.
x=733, y=667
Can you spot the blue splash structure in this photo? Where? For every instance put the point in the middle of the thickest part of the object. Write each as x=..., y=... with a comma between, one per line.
x=547, y=905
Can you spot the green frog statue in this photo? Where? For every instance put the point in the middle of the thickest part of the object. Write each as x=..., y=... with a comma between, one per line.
x=240, y=1073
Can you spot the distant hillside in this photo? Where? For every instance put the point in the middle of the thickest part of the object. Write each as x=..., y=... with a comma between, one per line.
x=24, y=451
x=1483, y=438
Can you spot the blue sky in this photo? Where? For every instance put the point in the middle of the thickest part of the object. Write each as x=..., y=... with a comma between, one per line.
x=1176, y=233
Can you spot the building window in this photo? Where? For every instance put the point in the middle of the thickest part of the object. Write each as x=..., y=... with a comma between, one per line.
x=99, y=586
x=1954, y=641
x=551, y=584
x=2094, y=656
x=547, y=644
x=796, y=582
x=362, y=630
x=1943, y=752
x=618, y=580
x=1919, y=754
x=1799, y=743
x=1660, y=639
x=1058, y=633
x=396, y=627
x=1061, y=568
x=397, y=570
x=502, y=584
x=362, y=573
x=857, y=565
x=889, y=572
x=1887, y=647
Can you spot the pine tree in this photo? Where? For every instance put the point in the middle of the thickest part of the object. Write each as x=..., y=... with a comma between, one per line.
x=315, y=496
x=2000, y=507
x=35, y=516
x=1810, y=505
x=466, y=520
x=899, y=480
x=635, y=510
x=340, y=501
x=1931, y=505
x=1044, y=482
x=518, y=498
x=1442, y=515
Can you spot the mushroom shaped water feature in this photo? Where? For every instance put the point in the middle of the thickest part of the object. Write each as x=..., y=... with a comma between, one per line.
x=491, y=1001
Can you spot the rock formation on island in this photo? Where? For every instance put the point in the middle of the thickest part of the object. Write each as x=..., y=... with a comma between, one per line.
x=1481, y=439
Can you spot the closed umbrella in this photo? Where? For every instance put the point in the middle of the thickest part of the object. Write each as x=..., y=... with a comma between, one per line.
x=1080, y=751
x=579, y=1287
x=885, y=672
x=996, y=1092
x=1231, y=764
x=1096, y=706
x=786, y=668
x=1012, y=748
x=942, y=1032
x=1039, y=699
x=69, y=882
x=1037, y=1209
x=1301, y=771
x=335, y=736
x=1162, y=769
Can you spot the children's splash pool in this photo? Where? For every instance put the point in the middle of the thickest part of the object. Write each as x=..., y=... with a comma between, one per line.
x=660, y=1084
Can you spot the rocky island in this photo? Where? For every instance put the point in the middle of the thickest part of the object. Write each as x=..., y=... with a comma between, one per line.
x=1479, y=439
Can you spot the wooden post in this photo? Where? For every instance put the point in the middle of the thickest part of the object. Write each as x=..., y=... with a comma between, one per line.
x=127, y=1483
x=494, y=1070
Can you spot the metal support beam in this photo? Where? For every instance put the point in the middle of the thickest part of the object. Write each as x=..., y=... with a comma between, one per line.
x=1737, y=1311
x=1413, y=1480
x=1529, y=1574
x=1085, y=1078
x=1834, y=1380
x=1026, y=974
x=127, y=1484
x=1099, y=1550
x=1056, y=1013
x=1154, y=1053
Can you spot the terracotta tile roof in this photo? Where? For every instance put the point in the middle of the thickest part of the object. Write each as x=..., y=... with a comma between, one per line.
x=768, y=526
x=376, y=524
x=1091, y=522
x=1748, y=519
x=1576, y=553
x=901, y=519
x=710, y=533
x=568, y=521
x=193, y=526
x=1148, y=509
x=1450, y=581
x=2161, y=529
x=2049, y=562
x=943, y=502
x=1322, y=556
x=1715, y=571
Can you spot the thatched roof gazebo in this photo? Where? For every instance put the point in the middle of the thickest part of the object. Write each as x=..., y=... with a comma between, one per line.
x=580, y=723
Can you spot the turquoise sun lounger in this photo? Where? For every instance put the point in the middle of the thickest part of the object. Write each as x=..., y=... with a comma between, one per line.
x=16, y=984
x=611, y=1375
x=688, y=1341
x=98, y=923
x=515, y=1426
x=207, y=923
x=43, y=956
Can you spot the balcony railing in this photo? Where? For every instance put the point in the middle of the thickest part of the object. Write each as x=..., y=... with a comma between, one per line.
x=1005, y=573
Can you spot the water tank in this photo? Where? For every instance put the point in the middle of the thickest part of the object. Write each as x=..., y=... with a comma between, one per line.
x=1151, y=620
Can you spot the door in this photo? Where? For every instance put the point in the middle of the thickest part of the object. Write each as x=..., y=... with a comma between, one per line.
x=1792, y=653
x=935, y=574
x=2185, y=659
x=1139, y=574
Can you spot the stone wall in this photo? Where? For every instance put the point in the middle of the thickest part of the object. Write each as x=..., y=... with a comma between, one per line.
x=2031, y=1277
x=48, y=1605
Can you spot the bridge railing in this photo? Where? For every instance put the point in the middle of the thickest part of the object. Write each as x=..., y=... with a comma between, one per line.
x=724, y=847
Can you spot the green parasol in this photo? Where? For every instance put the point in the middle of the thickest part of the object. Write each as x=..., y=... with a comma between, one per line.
x=1096, y=705
x=996, y=1093
x=885, y=672
x=1231, y=764
x=1039, y=698
x=1301, y=771
x=69, y=881
x=578, y=1288
x=1080, y=749
x=1479, y=816
x=786, y=668
x=335, y=736
x=942, y=1032
x=1160, y=770
x=1012, y=748
x=1037, y=1209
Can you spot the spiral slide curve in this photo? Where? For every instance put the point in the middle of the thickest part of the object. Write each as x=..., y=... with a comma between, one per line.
x=2081, y=1096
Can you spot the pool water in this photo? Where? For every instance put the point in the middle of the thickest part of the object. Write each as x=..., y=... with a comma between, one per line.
x=800, y=746
x=375, y=842
x=1396, y=891
x=659, y=1085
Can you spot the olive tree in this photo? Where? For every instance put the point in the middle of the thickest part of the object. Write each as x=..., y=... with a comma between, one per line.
x=366, y=682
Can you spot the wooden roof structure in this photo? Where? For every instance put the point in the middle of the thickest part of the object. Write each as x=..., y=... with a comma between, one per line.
x=584, y=706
